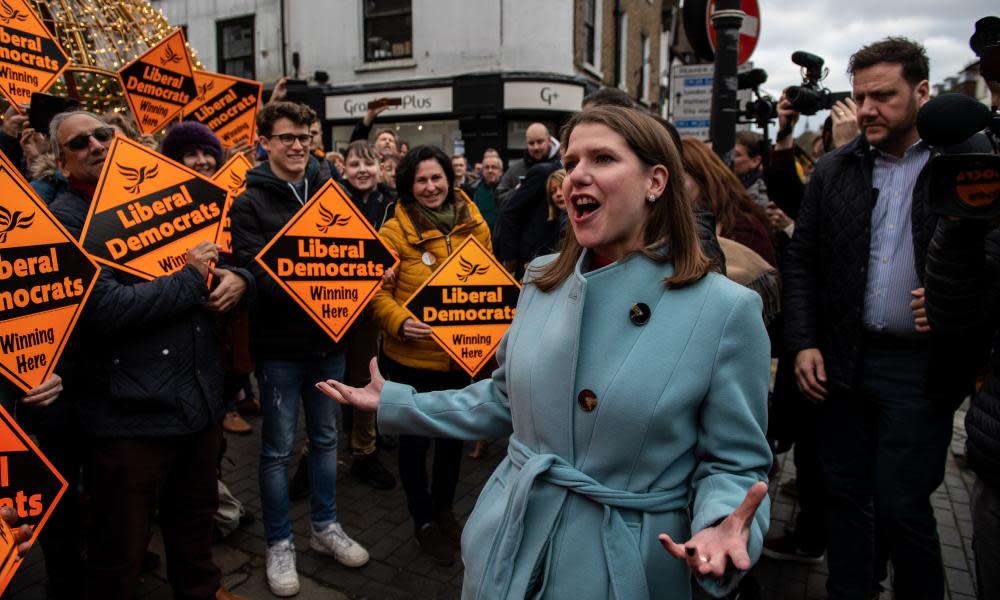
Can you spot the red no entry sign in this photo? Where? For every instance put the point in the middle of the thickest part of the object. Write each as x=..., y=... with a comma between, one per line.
x=749, y=31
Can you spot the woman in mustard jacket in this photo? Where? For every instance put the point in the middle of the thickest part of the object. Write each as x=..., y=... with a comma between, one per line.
x=432, y=218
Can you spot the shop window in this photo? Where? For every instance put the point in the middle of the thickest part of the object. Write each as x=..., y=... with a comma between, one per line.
x=592, y=33
x=234, y=39
x=388, y=29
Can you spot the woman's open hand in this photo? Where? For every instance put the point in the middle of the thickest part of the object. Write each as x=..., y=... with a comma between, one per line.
x=712, y=549
x=365, y=398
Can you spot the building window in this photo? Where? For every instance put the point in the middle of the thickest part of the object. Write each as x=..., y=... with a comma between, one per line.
x=621, y=55
x=644, y=71
x=592, y=33
x=234, y=38
x=388, y=29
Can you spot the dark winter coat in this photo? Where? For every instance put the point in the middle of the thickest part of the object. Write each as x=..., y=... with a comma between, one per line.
x=826, y=268
x=147, y=359
x=279, y=328
x=963, y=297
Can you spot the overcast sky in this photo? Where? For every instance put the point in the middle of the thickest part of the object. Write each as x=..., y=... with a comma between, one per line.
x=835, y=29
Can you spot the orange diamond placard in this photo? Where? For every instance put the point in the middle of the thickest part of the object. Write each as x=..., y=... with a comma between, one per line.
x=29, y=485
x=160, y=83
x=148, y=211
x=30, y=60
x=45, y=279
x=227, y=105
x=233, y=177
x=469, y=302
x=329, y=259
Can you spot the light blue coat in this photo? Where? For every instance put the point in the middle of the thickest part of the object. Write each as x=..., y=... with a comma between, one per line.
x=676, y=439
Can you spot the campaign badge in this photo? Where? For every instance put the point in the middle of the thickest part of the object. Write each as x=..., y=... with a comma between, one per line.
x=30, y=59
x=329, y=259
x=160, y=83
x=227, y=105
x=233, y=178
x=29, y=485
x=148, y=211
x=469, y=303
x=45, y=279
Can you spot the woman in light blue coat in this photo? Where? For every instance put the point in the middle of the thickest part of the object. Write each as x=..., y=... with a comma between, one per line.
x=633, y=386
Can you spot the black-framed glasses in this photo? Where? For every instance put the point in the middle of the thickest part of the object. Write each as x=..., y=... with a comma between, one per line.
x=101, y=134
x=288, y=139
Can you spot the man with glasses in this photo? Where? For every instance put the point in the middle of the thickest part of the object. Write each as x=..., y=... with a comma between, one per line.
x=290, y=350
x=145, y=376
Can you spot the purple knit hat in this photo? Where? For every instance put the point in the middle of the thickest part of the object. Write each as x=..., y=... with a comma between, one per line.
x=187, y=136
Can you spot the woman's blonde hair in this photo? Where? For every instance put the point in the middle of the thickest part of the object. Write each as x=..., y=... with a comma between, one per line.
x=556, y=177
x=670, y=233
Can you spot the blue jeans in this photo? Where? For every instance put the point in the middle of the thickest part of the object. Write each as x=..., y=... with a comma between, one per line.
x=282, y=383
x=883, y=447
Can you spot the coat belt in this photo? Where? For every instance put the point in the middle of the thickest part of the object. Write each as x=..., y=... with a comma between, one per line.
x=539, y=492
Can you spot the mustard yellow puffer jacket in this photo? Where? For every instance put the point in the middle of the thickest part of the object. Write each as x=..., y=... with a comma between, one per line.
x=411, y=235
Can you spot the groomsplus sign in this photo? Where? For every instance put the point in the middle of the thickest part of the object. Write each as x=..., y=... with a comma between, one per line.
x=413, y=102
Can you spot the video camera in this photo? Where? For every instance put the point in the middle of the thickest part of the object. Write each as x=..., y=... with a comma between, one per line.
x=964, y=178
x=762, y=108
x=811, y=97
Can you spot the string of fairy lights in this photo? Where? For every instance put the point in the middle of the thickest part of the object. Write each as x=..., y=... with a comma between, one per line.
x=100, y=37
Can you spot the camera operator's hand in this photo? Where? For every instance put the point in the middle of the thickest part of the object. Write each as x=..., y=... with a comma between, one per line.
x=845, y=122
x=280, y=90
x=33, y=144
x=787, y=118
x=371, y=113
x=13, y=122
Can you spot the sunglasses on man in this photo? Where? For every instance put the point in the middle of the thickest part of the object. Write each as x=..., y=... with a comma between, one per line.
x=79, y=142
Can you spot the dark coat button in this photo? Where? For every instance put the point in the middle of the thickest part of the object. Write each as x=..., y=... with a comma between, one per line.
x=639, y=313
x=587, y=400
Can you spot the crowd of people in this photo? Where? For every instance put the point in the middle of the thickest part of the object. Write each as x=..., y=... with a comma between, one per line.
x=634, y=387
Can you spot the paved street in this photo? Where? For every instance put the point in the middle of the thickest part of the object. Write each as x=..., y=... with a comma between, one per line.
x=398, y=570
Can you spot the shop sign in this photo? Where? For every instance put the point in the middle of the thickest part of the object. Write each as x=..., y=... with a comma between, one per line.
x=469, y=303
x=542, y=95
x=412, y=102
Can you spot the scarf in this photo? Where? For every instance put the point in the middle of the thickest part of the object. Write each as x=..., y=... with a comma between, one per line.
x=443, y=217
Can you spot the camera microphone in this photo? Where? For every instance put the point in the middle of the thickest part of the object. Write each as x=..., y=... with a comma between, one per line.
x=952, y=118
x=810, y=62
x=751, y=80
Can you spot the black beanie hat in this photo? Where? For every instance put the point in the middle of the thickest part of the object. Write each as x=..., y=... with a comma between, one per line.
x=187, y=136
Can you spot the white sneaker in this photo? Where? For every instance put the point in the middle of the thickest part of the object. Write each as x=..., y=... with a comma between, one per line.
x=282, y=577
x=333, y=541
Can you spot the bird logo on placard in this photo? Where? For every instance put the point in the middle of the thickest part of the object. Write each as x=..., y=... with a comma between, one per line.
x=137, y=176
x=9, y=221
x=8, y=13
x=236, y=183
x=169, y=56
x=330, y=219
x=469, y=269
x=204, y=89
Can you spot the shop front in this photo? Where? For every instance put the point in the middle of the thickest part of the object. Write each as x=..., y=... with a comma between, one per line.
x=465, y=114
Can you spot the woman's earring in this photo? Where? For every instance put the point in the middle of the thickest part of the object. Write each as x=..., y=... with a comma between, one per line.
x=651, y=198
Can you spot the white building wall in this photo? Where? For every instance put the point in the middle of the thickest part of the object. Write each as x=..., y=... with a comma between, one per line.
x=450, y=37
